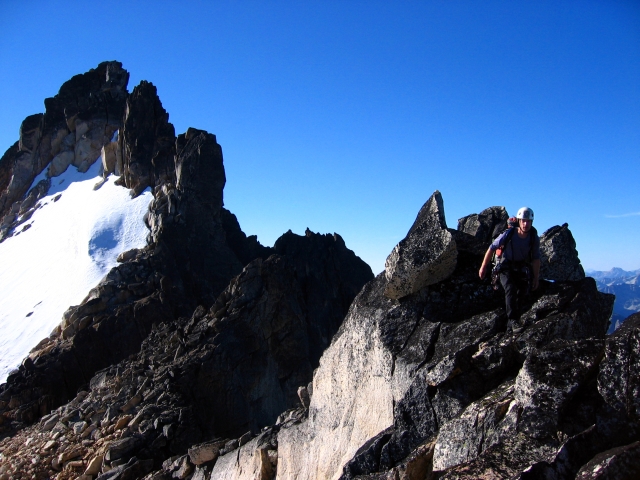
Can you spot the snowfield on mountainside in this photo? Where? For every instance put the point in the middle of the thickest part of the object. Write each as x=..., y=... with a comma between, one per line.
x=70, y=244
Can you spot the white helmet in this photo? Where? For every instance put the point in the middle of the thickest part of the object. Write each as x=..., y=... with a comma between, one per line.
x=525, y=213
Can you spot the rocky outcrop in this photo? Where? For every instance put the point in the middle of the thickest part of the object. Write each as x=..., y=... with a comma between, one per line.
x=187, y=263
x=246, y=248
x=147, y=143
x=435, y=385
x=158, y=375
x=203, y=386
x=427, y=255
x=330, y=275
x=486, y=225
x=185, y=219
x=77, y=122
x=558, y=255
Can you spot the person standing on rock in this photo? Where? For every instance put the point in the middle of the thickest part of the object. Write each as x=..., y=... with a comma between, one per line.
x=519, y=268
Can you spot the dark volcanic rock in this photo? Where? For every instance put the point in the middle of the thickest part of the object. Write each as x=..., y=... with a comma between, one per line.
x=147, y=143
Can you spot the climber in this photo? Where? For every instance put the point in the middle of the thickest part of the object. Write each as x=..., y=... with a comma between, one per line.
x=519, y=267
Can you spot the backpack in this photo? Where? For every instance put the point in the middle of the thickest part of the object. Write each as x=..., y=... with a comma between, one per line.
x=512, y=226
x=498, y=260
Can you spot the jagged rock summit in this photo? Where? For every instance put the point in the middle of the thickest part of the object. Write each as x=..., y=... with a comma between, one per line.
x=182, y=329
x=435, y=385
x=77, y=123
x=426, y=256
x=206, y=355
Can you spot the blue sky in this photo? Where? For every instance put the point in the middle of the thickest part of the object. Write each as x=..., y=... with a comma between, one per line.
x=346, y=116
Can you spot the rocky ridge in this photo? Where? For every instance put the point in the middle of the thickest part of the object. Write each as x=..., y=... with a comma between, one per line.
x=145, y=309
x=437, y=384
x=192, y=359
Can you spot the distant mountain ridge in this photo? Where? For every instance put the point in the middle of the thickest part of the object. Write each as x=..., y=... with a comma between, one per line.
x=615, y=273
x=625, y=285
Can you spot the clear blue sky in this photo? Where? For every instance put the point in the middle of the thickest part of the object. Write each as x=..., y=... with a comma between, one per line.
x=345, y=116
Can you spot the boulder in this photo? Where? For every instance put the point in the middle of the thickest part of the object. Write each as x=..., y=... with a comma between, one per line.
x=61, y=162
x=205, y=452
x=427, y=255
x=486, y=225
x=558, y=256
x=619, y=377
x=109, y=160
x=616, y=464
x=548, y=380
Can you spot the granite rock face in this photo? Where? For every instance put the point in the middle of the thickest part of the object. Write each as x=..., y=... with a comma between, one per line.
x=435, y=385
x=77, y=122
x=425, y=256
x=558, y=256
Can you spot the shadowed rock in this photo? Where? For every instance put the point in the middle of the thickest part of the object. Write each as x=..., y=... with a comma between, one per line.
x=187, y=263
x=616, y=464
x=486, y=225
x=558, y=256
x=619, y=378
x=147, y=141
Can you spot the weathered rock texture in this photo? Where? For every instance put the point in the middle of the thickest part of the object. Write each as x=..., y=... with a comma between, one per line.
x=559, y=257
x=435, y=385
x=486, y=225
x=146, y=143
x=215, y=379
x=192, y=359
x=77, y=123
x=426, y=256
x=202, y=334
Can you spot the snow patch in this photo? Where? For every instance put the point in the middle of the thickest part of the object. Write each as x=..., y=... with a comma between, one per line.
x=71, y=243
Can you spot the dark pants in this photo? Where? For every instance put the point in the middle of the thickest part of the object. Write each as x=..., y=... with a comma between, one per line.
x=516, y=287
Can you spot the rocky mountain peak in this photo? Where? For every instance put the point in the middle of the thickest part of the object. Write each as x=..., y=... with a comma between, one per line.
x=203, y=305
x=75, y=126
x=207, y=355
